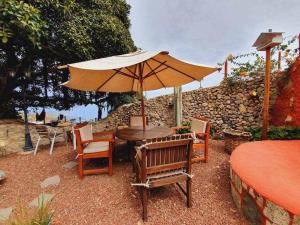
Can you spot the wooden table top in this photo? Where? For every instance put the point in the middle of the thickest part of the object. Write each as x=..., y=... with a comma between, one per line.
x=138, y=134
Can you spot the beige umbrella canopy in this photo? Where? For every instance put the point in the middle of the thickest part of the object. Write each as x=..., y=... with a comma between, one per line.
x=139, y=71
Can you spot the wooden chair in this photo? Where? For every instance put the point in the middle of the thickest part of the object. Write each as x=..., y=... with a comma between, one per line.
x=91, y=145
x=45, y=133
x=137, y=121
x=161, y=162
x=201, y=128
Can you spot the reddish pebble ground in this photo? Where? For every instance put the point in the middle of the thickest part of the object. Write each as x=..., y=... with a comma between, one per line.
x=100, y=199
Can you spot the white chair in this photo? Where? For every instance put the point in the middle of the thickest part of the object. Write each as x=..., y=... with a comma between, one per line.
x=44, y=133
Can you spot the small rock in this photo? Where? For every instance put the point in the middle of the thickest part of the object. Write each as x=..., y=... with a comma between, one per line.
x=5, y=214
x=50, y=181
x=70, y=165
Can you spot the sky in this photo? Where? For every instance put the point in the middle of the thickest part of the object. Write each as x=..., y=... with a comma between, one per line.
x=204, y=31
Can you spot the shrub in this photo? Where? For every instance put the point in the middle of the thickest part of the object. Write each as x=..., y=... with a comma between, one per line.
x=184, y=130
x=276, y=133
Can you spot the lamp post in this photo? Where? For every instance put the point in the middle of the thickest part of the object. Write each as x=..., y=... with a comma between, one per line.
x=28, y=143
x=265, y=42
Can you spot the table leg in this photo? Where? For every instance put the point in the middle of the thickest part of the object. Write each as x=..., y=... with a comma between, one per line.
x=131, y=145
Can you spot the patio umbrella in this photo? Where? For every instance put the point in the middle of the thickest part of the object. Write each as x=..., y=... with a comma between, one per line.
x=138, y=71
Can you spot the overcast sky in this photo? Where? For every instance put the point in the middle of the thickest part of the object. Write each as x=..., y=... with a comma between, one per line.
x=206, y=31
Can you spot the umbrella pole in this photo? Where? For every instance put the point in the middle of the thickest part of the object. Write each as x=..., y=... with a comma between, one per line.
x=143, y=108
x=142, y=99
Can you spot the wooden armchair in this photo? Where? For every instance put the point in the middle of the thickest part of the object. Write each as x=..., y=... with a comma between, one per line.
x=161, y=162
x=93, y=145
x=201, y=128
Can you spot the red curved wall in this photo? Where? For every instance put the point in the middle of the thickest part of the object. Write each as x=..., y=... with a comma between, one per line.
x=286, y=110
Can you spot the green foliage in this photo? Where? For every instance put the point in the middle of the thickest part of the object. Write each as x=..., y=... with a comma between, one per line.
x=19, y=19
x=186, y=128
x=246, y=66
x=39, y=35
x=213, y=131
x=276, y=133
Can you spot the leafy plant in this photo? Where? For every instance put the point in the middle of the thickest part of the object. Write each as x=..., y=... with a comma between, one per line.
x=186, y=128
x=41, y=215
x=276, y=133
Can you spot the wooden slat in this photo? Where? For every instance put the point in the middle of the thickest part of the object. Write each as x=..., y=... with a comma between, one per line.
x=167, y=180
x=94, y=171
x=169, y=144
x=162, y=168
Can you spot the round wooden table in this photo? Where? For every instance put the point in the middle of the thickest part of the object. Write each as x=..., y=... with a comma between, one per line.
x=138, y=134
x=134, y=134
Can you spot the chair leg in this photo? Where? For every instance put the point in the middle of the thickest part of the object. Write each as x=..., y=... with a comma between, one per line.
x=52, y=144
x=37, y=145
x=189, y=192
x=206, y=154
x=110, y=166
x=80, y=167
x=145, y=203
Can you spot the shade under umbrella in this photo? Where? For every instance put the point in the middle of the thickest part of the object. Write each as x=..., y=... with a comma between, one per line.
x=139, y=71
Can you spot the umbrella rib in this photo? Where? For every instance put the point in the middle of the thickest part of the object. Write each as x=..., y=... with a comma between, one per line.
x=124, y=74
x=133, y=78
x=151, y=72
x=132, y=73
x=155, y=75
x=106, y=81
x=174, y=69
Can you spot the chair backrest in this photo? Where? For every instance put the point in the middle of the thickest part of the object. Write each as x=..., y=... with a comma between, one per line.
x=137, y=121
x=83, y=132
x=167, y=154
x=200, y=125
x=42, y=130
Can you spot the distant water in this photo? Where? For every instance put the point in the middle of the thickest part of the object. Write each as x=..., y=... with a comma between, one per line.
x=80, y=112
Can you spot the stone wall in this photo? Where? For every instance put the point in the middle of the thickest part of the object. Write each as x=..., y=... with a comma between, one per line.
x=227, y=105
x=257, y=208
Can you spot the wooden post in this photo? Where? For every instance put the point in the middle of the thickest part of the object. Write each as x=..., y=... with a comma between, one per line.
x=142, y=96
x=178, y=105
x=266, y=95
x=225, y=69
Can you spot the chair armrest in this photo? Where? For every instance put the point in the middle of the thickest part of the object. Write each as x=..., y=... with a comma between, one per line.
x=104, y=136
x=103, y=139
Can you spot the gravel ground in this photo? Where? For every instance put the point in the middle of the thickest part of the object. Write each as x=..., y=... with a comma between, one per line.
x=100, y=199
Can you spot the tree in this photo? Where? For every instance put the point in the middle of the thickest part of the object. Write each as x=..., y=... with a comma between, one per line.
x=39, y=35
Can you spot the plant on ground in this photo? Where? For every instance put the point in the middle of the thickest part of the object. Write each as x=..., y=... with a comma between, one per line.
x=276, y=133
x=41, y=215
x=186, y=128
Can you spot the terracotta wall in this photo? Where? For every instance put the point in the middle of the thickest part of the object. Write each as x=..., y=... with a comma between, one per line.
x=286, y=110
